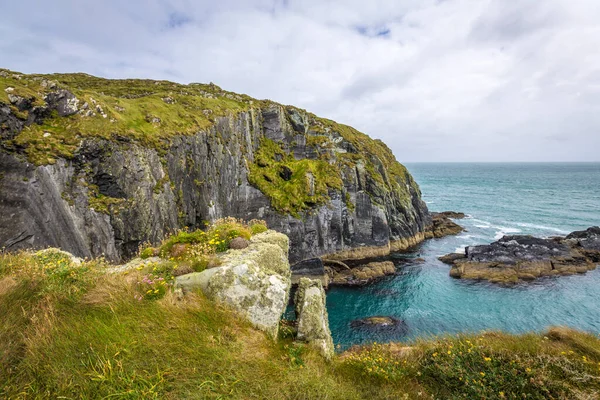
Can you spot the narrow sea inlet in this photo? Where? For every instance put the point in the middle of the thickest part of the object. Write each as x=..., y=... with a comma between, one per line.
x=540, y=199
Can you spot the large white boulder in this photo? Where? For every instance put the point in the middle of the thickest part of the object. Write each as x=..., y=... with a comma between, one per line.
x=254, y=281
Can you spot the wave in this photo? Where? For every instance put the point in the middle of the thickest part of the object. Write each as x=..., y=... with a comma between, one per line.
x=461, y=249
x=502, y=231
x=542, y=227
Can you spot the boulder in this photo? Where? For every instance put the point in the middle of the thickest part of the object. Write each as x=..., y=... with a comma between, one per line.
x=381, y=325
x=58, y=253
x=442, y=224
x=312, y=318
x=524, y=258
x=239, y=243
x=254, y=281
x=363, y=274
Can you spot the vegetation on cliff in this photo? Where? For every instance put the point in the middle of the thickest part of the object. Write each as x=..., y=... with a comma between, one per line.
x=74, y=330
x=150, y=113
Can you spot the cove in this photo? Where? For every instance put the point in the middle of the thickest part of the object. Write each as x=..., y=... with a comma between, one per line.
x=537, y=199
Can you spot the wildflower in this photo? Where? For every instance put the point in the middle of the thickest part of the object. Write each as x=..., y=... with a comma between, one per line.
x=482, y=373
x=435, y=354
x=487, y=359
x=528, y=369
x=449, y=352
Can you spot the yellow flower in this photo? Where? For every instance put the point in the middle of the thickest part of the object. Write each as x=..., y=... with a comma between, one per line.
x=435, y=354
x=482, y=373
x=487, y=359
x=449, y=352
x=528, y=369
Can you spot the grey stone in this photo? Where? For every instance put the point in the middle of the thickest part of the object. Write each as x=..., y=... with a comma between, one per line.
x=239, y=243
x=254, y=282
x=312, y=318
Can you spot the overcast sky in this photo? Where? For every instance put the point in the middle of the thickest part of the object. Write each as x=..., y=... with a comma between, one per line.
x=437, y=80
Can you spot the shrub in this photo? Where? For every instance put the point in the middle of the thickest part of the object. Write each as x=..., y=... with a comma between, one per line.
x=257, y=226
x=147, y=253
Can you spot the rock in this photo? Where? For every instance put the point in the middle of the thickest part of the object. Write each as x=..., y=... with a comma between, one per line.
x=451, y=214
x=525, y=258
x=53, y=252
x=239, y=243
x=21, y=103
x=312, y=267
x=376, y=321
x=134, y=264
x=182, y=270
x=312, y=318
x=363, y=275
x=381, y=324
x=254, y=281
x=444, y=226
x=152, y=119
x=63, y=101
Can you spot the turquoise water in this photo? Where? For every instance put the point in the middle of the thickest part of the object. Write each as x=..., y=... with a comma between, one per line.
x=537, y=199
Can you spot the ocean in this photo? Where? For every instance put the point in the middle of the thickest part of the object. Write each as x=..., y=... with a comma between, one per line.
x=542, y=199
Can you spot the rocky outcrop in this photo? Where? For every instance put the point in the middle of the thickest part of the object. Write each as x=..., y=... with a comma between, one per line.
x=254, y=281
x=380, y=324
x=522, y=258
x=442, y=224
x=105, y=194
x=311, y=316
x=361, y=275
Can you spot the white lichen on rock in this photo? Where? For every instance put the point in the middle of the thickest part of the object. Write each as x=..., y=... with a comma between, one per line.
x=312, y=318
x=254, y=281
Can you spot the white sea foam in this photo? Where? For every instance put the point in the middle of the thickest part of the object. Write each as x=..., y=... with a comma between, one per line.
x=503, y=230
x=542, y=227
x=461, y=249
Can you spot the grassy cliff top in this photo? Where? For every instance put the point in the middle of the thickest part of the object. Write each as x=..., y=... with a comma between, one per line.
x=145, y=111
x=78, y=332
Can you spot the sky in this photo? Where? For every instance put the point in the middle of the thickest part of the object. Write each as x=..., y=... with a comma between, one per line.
x=437, y=80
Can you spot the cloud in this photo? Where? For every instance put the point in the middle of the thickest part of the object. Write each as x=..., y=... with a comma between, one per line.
x=453, y=80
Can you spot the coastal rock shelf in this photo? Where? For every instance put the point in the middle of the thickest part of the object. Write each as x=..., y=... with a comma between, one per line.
x=523, y=258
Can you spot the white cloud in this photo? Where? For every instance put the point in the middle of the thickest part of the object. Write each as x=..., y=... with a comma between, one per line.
x=453, y=80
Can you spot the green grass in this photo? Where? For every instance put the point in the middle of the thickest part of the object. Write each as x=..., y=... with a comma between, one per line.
x=129, y=106
x=77, y=332
x=294, y=195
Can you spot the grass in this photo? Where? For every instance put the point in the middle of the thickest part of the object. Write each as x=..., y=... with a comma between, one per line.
x=129, y=107
x=295, y=193
x=196, y=251
x=78, y=332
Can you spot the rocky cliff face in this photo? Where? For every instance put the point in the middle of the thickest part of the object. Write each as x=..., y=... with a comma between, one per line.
x=98, y=167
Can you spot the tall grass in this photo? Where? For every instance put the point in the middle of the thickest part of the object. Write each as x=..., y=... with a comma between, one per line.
x=87, y=335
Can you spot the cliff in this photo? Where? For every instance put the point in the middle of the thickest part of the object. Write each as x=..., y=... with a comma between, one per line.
x=97, y=166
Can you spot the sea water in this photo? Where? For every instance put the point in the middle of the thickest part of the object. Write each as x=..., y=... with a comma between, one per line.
x=499, y=199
